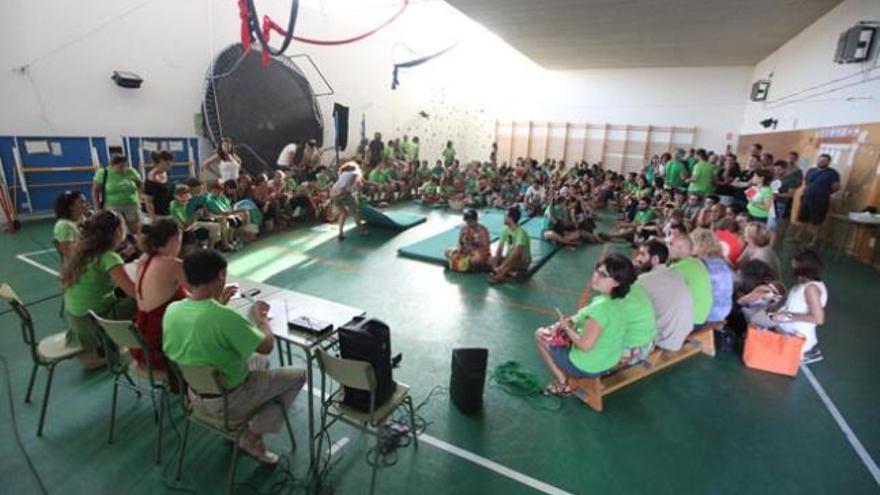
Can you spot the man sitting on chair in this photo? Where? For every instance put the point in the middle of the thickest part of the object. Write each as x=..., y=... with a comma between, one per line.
x=202, y=331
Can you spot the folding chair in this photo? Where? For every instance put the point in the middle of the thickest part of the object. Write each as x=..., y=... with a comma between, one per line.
x=360, y=375
x=207, y=380
x=47, y=352
x=122, y=334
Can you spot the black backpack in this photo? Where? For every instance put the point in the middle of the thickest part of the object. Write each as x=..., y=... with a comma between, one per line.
x=369, y=340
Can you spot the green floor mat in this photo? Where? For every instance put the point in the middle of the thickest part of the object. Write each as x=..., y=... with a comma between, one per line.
x=541, y=252
x=390, y=219
x=432, y=248
x=534, y=227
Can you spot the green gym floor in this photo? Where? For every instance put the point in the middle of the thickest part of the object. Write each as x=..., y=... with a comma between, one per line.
x=705, y=426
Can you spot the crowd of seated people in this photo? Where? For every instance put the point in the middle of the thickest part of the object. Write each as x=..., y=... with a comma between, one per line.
x=702, y=254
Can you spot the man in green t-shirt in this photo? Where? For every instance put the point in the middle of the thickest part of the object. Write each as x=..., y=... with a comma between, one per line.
x=180, y=211
x=517, y=256
x=641, y=325
x=448, y=154
x=695, y=274
x=702, y=175
x=201, y=331
x=675, y=172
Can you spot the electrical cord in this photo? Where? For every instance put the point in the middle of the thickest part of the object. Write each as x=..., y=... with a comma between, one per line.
x=397, y=432
x=15, y=431
x=516, y=380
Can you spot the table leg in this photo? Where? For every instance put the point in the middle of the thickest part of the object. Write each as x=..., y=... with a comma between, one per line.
x=281, y=355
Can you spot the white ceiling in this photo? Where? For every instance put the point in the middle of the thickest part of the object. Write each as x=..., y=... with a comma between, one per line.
x=582, y=34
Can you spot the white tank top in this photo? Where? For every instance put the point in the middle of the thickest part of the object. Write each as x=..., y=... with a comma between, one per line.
x=796, y=302
x=229, y=170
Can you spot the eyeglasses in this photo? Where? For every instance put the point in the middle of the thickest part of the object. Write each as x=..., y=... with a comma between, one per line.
x=602, y=273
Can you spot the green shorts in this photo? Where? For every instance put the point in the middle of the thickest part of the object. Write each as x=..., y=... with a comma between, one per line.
x=83, y=330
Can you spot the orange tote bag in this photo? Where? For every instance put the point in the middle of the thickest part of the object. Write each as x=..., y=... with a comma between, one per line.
x=772, y=351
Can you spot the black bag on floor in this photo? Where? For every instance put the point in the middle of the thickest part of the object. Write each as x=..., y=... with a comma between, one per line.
x=368, y=340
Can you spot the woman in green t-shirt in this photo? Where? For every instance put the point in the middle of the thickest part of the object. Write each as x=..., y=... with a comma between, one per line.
x=70, y=206
x=90, y=277
x=118, y=187
x=590, y=343
x=760, y=196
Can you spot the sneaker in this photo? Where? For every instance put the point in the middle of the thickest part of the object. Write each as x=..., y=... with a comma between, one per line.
x=814, y=355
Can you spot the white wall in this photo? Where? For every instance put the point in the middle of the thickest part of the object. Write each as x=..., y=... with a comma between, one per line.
x=802, y=94
x=711, y=98
x=71, y=52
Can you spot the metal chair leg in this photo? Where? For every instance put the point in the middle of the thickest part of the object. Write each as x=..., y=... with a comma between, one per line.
x=27, y=398
x=153, y=401
x=45, y=400
x=287, y=423
x=113, y=407
x=182, y=450
x=376, y=462
x=134, y=387
x=162, y=401
x=412, y=421
x=232, y=468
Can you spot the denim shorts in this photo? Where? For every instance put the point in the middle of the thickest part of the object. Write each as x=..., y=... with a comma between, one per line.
x=559, y=354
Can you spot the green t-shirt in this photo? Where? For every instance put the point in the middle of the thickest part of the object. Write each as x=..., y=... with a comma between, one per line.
x=94, y=289
x=423, y=172
x=673, y=171
x=516, y=237
x=645, y=193
x=641, y=324
x=207, y=333
x=388, y=152
x=65, y=230
x=121, y=188
x=218, y=204
x=696, y=276
x=378, y=176
x=180, y=213
x=471, y=185
x=322, y=180
x=553, y=214
x=644, y=216
x=755, y=205
x=702, y=174
x=448, y=155
x=429, y=188
x=438, y=171
x=606, y=352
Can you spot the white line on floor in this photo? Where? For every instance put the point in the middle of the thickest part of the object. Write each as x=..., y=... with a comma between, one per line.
x=338, y=445
x=42, y=251
x=482, y=461
x=24, y=257
x=867, y=460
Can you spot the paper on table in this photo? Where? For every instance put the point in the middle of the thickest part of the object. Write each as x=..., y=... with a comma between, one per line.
x=278, y=315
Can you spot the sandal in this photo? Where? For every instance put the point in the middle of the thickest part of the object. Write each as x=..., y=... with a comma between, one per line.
x=557, y=389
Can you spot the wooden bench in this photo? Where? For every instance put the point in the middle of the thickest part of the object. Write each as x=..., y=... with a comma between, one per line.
x=593, y=390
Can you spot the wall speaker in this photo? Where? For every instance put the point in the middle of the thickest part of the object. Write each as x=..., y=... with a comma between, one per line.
x=127, y=79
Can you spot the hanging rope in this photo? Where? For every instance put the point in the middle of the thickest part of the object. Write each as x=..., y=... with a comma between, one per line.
x=414, y=63
x=251, y=28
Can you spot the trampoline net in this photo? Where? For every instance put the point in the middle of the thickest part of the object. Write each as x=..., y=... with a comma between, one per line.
x=261, y=108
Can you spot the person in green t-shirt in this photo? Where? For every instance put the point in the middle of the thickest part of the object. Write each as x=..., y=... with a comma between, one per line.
x=70, y=207
x=695, y=274
x=760, y=196
x=89, y=279
x=448, y=154
x=119, y=187
x=627, y=230
x=641, y=325
x=702, y=175
x=185, y=217
x=513, y=253
x=592, y=342
x=675, y=174
x=201, y=331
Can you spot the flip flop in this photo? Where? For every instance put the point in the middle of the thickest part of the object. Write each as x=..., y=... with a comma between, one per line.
x=557, y=389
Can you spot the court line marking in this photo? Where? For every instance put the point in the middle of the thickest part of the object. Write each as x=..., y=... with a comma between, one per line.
x=482, y=461
x=863, y=454
x=24, y=257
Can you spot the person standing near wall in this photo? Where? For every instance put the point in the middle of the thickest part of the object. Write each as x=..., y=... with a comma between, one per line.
x=787, y=178
x=118, y=187
x=448, y=154
x=158, y=190
x=676, y=174
x=285, y=159
x=224, y=163
x=821, y=182
x=375, y=150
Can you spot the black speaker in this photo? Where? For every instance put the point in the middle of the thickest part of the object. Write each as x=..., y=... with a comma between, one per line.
x=468, y=379
x=127, y=79
x=340, y=116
